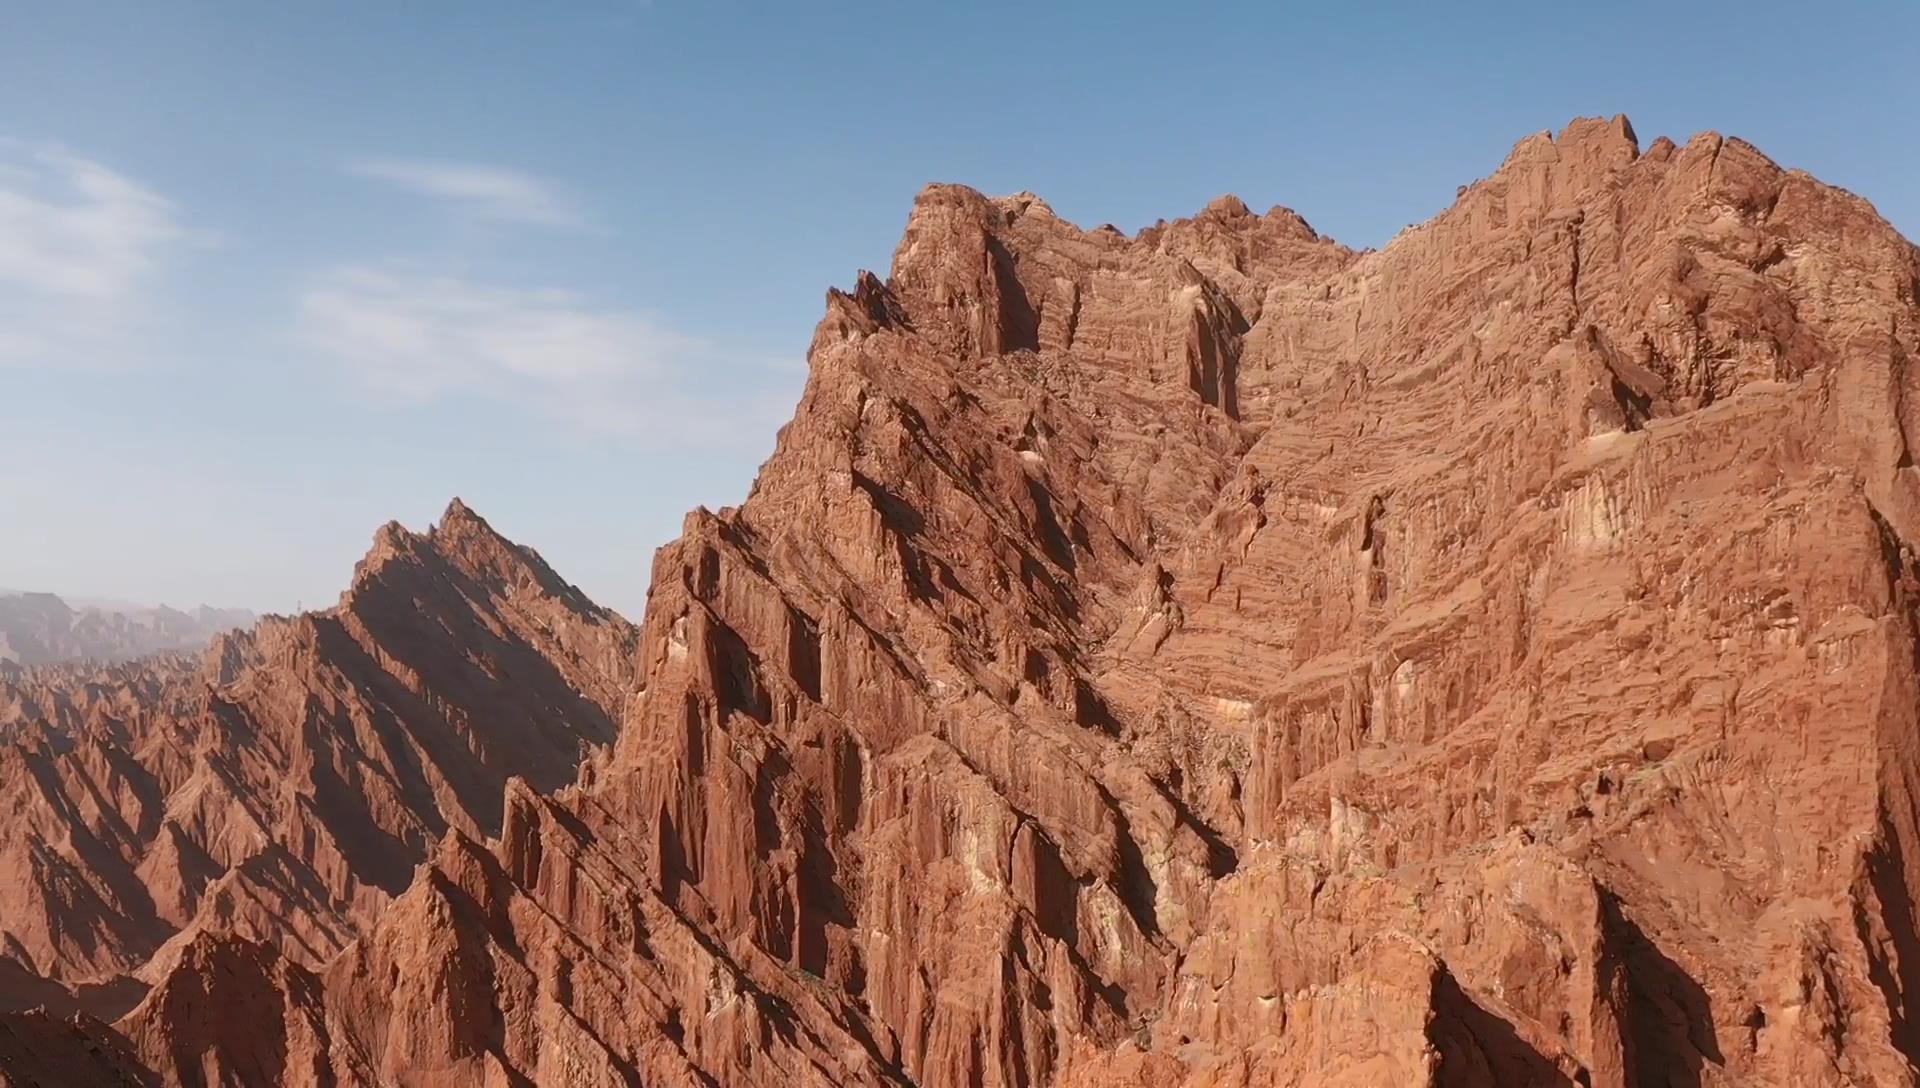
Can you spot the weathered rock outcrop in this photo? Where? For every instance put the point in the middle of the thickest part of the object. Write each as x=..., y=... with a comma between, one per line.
x=1218, y=657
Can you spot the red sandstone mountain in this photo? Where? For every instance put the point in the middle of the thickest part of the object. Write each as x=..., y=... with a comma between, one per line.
x=1211, y=657
x=285, y=787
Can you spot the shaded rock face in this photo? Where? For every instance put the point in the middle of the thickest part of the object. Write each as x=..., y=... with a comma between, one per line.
x=283, y=787
x=1217, y=657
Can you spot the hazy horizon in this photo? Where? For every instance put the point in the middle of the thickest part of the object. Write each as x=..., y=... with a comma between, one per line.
x=272, y=279
x=80, y=602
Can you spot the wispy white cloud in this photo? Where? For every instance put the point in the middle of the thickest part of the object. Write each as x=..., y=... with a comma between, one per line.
x=612, y=371
x=79, y=245
x=490, y=191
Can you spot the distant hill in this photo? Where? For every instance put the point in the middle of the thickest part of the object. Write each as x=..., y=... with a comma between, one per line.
x=41, y=628
x=1212, y=657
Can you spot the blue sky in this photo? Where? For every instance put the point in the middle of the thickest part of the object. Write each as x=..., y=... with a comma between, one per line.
x=269, y=278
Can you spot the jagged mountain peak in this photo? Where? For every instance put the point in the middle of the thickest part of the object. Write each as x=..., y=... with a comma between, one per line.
x=281, y=788
x=461, y=553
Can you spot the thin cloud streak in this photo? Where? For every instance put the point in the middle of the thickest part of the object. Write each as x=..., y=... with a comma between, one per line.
x=70, y=226
x=80, y=247
x=605, y=371
x=489, y=191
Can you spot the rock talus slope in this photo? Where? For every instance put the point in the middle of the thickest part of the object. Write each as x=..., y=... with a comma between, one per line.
x=1216, y=657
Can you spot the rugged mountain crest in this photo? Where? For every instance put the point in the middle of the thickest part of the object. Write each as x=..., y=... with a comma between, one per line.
x=284, y=787
x=1217, y=657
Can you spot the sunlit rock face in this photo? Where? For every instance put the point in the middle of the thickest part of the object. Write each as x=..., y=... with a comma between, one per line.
x=283, y=786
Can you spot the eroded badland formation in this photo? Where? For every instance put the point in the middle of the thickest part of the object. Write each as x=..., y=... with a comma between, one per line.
x=1214, y=657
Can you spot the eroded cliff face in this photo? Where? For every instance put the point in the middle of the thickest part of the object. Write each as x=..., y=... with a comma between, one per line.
x=1218, y=657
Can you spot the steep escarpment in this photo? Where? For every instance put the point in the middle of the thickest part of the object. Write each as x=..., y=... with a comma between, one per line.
x=283, y=787
x=1219, y=657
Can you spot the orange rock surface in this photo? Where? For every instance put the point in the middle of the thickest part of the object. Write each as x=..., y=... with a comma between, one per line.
x=1213, y=657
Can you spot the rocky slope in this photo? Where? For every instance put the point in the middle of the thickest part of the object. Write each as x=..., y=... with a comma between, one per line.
x=284, y=786
x=1216, y=657
x=42, y=629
